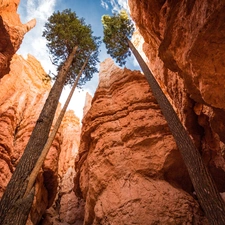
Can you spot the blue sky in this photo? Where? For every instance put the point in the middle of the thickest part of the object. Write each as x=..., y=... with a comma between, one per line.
x=35, y=44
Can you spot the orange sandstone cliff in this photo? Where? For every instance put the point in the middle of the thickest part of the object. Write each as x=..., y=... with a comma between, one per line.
x=22, y=95
x=183, y=43
x=24, y=89
x=12, y=32
x=67, y=208
x=129, y=168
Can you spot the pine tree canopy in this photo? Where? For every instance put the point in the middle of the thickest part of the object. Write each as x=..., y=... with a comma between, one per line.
x=63, y=31
x=78, y=62
x=117, y=29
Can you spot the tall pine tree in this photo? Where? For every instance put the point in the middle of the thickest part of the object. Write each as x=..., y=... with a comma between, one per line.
x=70, y=40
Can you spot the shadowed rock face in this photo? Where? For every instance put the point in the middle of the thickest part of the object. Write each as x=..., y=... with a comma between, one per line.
x=184, y=49
x=12, y=33
x=126, y=153
x=67, y=208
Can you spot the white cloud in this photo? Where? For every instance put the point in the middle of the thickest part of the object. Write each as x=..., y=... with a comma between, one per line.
x=40, y=9
x=34, y=44
x=104, y=5
x=116, y=5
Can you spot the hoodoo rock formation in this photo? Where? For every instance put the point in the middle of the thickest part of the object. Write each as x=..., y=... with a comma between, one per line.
x=23, y=92
x=129, y=168
x=22, y=95
x=12, y=32
x=182, y=42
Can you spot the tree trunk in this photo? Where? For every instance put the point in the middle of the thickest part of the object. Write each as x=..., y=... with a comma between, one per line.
x=20, y=211
x=17, y=185
x=205, y=188
x=48, y=144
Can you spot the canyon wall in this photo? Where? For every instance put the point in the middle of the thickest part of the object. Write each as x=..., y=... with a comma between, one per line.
x=22, y=95
x=67, y=208
x=24, y=89
x=129, y=170
x=12, y=32
x=184, y=49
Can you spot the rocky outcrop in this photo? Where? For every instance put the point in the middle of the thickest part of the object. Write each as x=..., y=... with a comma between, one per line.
x=129, y=168
x=12, y=33
x=182, y=42
x=22, y=95
x=23, y=92
x=87, y=103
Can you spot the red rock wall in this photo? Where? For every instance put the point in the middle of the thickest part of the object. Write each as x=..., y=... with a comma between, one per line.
x=129, y=168
x=184, y=47
x=12, y=32
x=23, y=91
x=67, y=209
x=22, y=95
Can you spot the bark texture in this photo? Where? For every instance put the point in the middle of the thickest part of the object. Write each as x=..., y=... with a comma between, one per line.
x=129, y=170
x=205, y=187
x=17, y=186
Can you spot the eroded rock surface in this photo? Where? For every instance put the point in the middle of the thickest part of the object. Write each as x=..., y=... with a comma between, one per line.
x=12, y=33
x=67, y=209
x=22, y=95
x=182, y=42
x=128, y=161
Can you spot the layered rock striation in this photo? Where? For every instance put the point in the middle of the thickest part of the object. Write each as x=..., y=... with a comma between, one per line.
x=129, y=170
x=182, y=43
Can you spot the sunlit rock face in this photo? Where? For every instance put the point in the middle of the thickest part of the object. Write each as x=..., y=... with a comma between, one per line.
x=22, y=95
x=87, y=103
x=184, y=49
x=12, y=32
x=129, y=170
